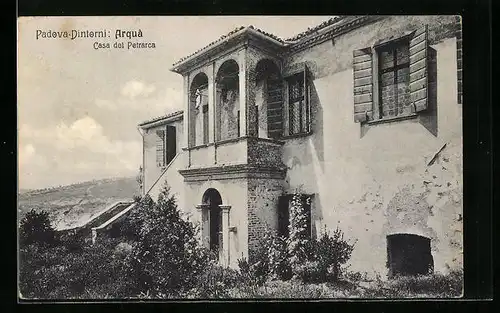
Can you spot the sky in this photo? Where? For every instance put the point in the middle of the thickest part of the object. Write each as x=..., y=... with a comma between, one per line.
x=78, y=107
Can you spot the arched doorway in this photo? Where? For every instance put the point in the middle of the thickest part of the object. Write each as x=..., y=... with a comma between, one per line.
x=409, y=254
x=212, y=201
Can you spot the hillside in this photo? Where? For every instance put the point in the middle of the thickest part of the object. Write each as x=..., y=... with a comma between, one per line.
x=73, y=205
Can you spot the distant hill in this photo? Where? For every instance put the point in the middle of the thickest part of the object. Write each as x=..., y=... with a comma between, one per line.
x=73, y=205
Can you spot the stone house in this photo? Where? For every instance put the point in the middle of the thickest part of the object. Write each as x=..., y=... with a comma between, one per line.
x=361, y=114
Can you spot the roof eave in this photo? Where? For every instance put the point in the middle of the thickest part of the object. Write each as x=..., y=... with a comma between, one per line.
x=160, y=121
x=181, y=66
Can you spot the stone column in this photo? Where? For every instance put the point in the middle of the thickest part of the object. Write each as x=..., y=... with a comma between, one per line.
x=225, y=233
x=242, y=64
x=187, y=118
x=211, y=104
x=204, y=223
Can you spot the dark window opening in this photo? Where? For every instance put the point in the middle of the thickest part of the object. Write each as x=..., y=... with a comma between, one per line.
x=394, y=79
x=171, y=144
x=409, y=255
x=215, y=228
x=284, y=204
x=166, y=145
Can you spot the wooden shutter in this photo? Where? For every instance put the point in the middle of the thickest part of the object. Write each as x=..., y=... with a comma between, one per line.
x=160, y=148
x=418, y=69
x=307, y=107
x=274, y=107
x=170, y=143
x=363, y=85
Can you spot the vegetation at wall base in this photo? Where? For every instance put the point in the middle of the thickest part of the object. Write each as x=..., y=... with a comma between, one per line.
x=157, y=255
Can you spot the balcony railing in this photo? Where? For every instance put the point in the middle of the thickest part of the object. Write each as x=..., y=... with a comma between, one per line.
x=243, y=150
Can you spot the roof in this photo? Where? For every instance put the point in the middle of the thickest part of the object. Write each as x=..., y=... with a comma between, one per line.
x=293, y=42
x=163, y=117
x=310, y=31
x=226, y=36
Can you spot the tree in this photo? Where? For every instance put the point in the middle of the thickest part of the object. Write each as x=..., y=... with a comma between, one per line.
x=167, y=255
x=35, y=228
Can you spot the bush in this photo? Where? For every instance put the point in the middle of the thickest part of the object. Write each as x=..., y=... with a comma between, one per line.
x=57, y=272
x=167, y=258
x=36, y=228
x=328, y=254
x=216, y=281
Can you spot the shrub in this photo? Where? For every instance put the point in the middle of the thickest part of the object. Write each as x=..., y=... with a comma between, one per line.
x=216, y=281
x=36, y=228
x=331, y=253
x=166, y=258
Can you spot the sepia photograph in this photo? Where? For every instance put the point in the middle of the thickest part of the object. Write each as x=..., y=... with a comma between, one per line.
x=240, y=157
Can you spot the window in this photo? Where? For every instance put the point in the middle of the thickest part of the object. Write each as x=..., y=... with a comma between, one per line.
x=274, y=112
x=166, y=145
x=394, y=80
x=298, y=106
x=284, y=205
x=391, y=79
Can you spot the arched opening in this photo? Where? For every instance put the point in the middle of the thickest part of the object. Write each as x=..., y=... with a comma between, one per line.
x=268, y=99
x=228, y=101
x=198, y=106
x=212, y=200
x=409, y=255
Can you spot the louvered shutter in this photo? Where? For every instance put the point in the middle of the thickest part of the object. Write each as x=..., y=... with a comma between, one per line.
x=363, y=85
x=418, y=69
x=307, y=107
x=160, y=148
x=274, y=107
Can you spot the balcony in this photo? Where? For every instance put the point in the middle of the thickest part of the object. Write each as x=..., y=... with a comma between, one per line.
x=235, y=158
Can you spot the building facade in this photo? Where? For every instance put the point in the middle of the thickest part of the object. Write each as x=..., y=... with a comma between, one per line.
x=362, y=115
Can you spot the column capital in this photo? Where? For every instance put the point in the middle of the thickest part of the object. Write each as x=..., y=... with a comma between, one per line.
x=225, y=208
x=202, y=206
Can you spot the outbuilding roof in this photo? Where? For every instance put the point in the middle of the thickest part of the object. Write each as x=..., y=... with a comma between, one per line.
x=163, y=117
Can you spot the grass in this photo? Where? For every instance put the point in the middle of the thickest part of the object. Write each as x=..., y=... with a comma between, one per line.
x=432, y=286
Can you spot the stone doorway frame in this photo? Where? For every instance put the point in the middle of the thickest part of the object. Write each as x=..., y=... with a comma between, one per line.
x=204, y=214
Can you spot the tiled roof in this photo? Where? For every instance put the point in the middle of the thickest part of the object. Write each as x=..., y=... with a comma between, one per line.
x=223, y=37
x=293, y=42
x=310, y=31
x=156, y=119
